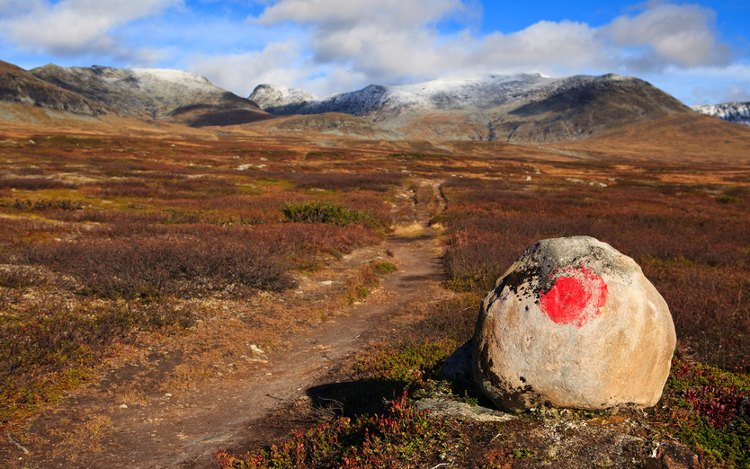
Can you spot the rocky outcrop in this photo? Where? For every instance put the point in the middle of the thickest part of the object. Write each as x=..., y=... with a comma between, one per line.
x=573, y=323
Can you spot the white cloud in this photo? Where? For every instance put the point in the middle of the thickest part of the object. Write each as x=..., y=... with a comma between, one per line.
x=672, y=34
x=279, y=62
x=344, y=14
x=706, y=85
x=337, y=45
x=74, y=27
x=394, y=41
x=546, y=45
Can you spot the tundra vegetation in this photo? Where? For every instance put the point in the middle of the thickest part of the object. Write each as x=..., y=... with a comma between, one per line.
x=115, y=242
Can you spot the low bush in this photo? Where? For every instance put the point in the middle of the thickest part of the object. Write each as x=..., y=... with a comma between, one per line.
x=384, y=268
x=149, y=268
x=42, y=205
x=378, y=182
x=32, y=183
x=323, y=212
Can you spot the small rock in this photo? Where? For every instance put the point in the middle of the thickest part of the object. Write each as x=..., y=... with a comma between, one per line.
x=442, y=408
x=123, y=406
x=674, y=456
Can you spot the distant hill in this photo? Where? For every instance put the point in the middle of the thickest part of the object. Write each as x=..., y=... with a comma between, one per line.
x=146, y=94
x=514, y=108
x=730, y=112
x=19, y=86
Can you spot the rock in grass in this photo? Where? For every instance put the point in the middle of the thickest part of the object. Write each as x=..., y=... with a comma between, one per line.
x=573, y=323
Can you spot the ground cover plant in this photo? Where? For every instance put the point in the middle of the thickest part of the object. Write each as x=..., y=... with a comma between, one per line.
x=114, y=241
x=106, y=239
x=691, y=242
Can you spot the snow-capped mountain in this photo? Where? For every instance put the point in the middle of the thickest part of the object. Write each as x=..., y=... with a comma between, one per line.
x=731, y=112
x=150, y=93
x=522, y=107
x=480, y=92
x=511, y=108
x=268, y=96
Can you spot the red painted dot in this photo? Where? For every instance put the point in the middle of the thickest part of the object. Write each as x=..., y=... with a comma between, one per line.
x=577, y=295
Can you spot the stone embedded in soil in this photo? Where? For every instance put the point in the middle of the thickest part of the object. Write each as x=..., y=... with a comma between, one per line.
x=573, y=323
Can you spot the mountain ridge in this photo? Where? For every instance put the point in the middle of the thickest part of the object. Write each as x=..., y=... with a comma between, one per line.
x=514, y=108
x=731, y=112
x=520, y=108
x=153, y=94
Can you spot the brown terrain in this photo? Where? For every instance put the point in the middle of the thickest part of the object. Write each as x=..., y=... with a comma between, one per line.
x=188, y=297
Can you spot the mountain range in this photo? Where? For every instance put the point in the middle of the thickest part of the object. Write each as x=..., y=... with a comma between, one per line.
x=512, y=108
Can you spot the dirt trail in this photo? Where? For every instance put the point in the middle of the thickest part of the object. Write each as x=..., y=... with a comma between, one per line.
x=185, y=431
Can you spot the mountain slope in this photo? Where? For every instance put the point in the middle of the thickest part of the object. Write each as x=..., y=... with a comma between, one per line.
x=514, y=108
x=730, y=112
x=154, y=94
x=19, y=86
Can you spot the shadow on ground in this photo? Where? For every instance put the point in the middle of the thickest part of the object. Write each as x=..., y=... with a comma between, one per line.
x=356, y=398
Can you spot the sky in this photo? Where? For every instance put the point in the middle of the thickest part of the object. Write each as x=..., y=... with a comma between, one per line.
x=697, y=51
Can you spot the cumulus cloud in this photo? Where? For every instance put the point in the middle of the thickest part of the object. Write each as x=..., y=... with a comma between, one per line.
x=73, y=27
x=279, y=62
x=343, y=14
x=671, y=34
x=396, y=41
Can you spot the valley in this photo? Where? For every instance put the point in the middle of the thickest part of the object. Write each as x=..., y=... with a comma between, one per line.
x=195, y=281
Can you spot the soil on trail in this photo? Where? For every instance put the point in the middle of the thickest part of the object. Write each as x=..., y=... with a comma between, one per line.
x=185, y=430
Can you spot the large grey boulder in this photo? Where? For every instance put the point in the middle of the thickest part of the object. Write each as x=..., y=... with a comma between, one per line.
x=573, y=323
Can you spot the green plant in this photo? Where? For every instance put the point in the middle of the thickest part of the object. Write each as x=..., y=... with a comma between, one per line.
x=322, y=212
x=384, y=268
x=401, y=435
x=727, y=199
x=710, y=411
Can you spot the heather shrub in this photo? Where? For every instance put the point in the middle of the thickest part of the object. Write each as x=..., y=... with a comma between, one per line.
x=32, y=183
x=147, y=268
x=323, y=212
x=397, y=438
x=378, y=182
x=692, y=248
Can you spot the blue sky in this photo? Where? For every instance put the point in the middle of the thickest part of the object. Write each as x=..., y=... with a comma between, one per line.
x=698, y=51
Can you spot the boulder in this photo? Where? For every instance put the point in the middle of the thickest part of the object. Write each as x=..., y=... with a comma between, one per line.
x=573, y=323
